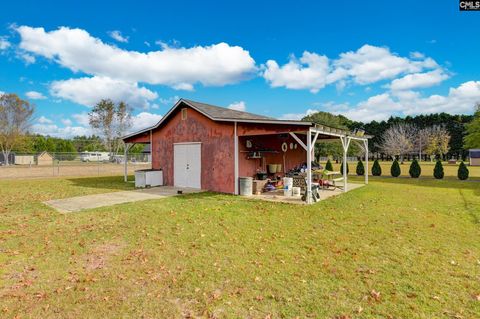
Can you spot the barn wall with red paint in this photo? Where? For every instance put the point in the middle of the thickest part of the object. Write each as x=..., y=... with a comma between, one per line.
x=293, y=157
x=217, y=151
x=140, y=138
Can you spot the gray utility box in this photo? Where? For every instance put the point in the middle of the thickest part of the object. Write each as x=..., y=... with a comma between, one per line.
x=148, y=177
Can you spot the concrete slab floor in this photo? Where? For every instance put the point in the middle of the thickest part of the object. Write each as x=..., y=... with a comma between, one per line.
x=78, y=203
x=277, y=196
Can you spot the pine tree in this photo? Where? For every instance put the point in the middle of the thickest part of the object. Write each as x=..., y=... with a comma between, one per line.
x=329, y=166
x=360, y=168
x=438, y=170
x=395, y=169
x=462, y=171
x=376, y=169
x=415, y=169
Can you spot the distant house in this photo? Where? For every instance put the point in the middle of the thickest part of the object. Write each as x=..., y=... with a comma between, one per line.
x=44, y=158
x=24, y=160
x=474, y=157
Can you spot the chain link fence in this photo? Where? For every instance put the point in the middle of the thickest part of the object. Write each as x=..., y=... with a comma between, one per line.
x=71, y=164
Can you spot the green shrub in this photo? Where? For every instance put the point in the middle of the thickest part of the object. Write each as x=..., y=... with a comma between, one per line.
x=341, y=169
x=360, y=168
x=395, y=169
x=462, y=171
x=329, y=166
x=376, y=169
x=438, y=170
x=415, y=169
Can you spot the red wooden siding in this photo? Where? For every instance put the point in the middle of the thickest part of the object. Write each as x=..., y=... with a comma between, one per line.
x=217, y=138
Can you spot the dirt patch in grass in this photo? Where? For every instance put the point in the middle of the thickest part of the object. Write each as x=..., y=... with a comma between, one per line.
x=99, y=256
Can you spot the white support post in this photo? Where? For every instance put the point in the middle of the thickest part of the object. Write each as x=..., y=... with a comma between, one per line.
x=235, y=143
x=308, y=191
x=365, y=142
x=125, y=162
x=345, y=143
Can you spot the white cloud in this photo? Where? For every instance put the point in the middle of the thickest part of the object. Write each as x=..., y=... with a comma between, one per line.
x=379, y=107
x=369, y=64
x=64, y=132
x=419, y=80
x=144, y=120
x=89, y=91
x=26, y=57
x=310, y=72
x=81, y=118
x=417, y=55
x=117, y=35
x=77, y=50
x=4, y=43
x=66, y=122
x=44, y=120
x=297, y=116
x=238, y=106
x=46, y=126
x=34, y=95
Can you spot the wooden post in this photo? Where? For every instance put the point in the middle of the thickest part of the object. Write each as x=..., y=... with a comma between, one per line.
x=125, y=162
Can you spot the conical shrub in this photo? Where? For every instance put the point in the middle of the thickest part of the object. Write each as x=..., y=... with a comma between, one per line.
x=462, y=171
x=329, y=166
x=360, y=168
x=438, y=170
x=395, y=170
x=376, y=169
x=415, y=169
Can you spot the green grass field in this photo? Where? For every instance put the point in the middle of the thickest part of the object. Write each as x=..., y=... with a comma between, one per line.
x=397, y=248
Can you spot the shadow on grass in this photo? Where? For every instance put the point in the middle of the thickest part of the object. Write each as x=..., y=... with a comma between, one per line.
x=103, y=182
x=427, y=182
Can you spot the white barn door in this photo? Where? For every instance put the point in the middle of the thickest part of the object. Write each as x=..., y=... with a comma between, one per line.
x=187, y=165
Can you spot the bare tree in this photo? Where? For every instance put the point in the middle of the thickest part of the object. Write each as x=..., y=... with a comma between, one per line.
x=398, y=140
x=438, y=141
x=15, y=116
x=112, y=122
x=422, y=138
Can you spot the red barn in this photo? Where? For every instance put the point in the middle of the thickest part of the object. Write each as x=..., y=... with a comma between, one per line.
x=204, y=146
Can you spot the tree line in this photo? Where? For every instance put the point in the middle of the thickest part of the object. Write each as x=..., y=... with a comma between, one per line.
x=440, y=134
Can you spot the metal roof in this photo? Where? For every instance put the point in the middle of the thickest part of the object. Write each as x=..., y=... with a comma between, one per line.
x=218, y=113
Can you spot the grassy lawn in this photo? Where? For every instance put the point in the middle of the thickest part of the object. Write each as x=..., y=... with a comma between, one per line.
x=397, y=248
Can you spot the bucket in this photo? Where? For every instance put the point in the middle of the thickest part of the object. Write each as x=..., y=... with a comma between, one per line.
x=246, y=185
x=287, y=192
x=272, y=168
x=288, y=182
x=295, y=191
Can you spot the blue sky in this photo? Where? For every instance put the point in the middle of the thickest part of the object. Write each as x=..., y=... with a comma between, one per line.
x=364, y=59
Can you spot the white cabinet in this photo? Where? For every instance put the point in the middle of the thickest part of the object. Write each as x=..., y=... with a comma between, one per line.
x=150, y=177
